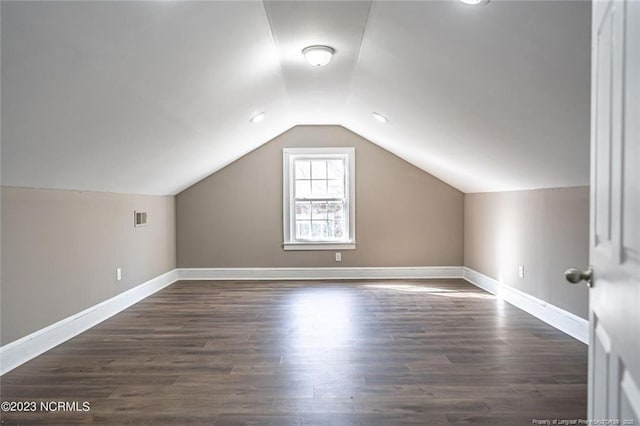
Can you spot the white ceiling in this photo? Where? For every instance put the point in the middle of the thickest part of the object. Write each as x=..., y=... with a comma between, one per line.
x=150, y=97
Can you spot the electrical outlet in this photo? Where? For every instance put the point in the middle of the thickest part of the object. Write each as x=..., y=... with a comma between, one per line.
x=118, y=274
x=338, y=257
x=521, y=271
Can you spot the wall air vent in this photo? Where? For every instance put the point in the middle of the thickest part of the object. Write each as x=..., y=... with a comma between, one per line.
x=140, y=218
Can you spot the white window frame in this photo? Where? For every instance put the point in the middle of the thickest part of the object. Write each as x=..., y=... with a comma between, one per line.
x=288, y=209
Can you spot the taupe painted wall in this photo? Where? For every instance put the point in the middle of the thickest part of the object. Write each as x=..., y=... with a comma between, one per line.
x=60, y=251
x=544, y=230
x=404, y=216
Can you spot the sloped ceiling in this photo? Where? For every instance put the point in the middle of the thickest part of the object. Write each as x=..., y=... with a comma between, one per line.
x=150, y=97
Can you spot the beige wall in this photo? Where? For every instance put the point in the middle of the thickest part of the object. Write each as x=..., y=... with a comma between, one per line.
x=545, y=230
x=60, y=251
x=404, y=216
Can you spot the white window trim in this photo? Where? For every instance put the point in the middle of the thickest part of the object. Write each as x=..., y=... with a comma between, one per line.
x=287, y=214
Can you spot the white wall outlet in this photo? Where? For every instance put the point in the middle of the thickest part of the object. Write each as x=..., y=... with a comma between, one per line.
x=338, y=257
x=118, y=274
x=521, y=271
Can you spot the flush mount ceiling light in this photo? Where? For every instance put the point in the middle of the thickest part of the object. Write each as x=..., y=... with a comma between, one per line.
x=257, y=118
x=475, y=2
x=381, y=118
x=318, y=56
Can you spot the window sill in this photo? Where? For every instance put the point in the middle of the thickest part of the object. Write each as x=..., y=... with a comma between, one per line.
x=318, y=246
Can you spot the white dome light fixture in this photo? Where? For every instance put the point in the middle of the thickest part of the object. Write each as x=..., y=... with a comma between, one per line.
x=381, y=118
x=475, y=2
x=318, y=56
x=257, y=118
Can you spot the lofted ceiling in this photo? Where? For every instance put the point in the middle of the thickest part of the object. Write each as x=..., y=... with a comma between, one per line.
x=150, y=97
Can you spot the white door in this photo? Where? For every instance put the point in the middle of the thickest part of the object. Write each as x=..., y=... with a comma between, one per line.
x=614, y=350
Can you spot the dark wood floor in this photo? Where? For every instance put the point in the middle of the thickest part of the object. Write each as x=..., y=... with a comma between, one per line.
x=311, y=353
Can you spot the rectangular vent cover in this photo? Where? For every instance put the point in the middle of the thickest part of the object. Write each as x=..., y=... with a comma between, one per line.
x=140, y=218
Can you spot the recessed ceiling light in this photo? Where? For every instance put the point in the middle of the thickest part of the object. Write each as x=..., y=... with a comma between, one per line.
x=381, y=118
x=257, y=118
x=318, y=56
x=475, y=2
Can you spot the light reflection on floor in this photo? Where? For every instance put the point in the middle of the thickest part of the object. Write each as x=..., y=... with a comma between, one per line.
x=322, y=336
x=321, y=318
x=412, y=288
x=328, y=326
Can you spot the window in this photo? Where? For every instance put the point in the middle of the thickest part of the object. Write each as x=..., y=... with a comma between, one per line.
x=319, y=198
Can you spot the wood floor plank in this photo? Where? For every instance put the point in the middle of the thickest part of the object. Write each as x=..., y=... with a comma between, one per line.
x=386, y=352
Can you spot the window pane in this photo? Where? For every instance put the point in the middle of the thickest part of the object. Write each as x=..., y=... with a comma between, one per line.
x=319, y=210
x=319, y=169
x=338, y=229
x=319, y=188
x=303, y=230
x=335, y=210
x=319, y=230
x=303, y=169
x=335, y=169
x=303, y=188
x=336, y=188
x=303, y=210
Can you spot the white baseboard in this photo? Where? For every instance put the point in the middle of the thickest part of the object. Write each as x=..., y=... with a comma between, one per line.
x=564, y=321
x=22, y=350
x=320, y=273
